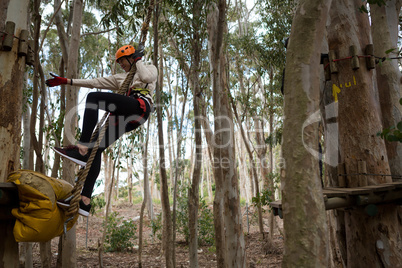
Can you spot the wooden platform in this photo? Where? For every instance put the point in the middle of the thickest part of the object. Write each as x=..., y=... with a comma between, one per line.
x=344, y=198
x=8, y=200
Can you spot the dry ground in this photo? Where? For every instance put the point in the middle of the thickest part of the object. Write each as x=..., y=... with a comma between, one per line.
x=88, y=234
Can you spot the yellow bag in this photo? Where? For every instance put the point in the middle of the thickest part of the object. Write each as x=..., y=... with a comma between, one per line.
x=38, y=218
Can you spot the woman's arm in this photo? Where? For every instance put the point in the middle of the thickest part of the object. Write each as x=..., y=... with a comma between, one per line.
x=111, y=82
x=146, y=73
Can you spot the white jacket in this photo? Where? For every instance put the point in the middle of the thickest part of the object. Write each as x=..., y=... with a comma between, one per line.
x=146, y=74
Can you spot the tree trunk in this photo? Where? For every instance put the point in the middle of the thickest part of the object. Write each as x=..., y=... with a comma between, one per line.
x=3, y=13
x=375, y=239
x=230, y=243
x=57, y=158
x=304, y=215
x=271, y=182
x=169, y=115
x=385, y=37
x=45, y=249
x=101, y=241
x=26, y=257
x=108, y=164
x=147, y=197
x=193, y=195
x=35, y=95
x=69, y=255
x=167, y=220
x=12, y=70
x=254, y=170
x=220, y=241
x=117, y=168
x=130, y=181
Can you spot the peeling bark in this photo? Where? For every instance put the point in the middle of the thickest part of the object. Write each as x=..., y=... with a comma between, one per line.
x=359, y=118
x=12, y=69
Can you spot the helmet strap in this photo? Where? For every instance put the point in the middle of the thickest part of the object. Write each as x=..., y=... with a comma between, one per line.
x=131, y=63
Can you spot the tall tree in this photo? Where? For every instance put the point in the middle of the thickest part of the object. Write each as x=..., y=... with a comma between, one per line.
x=193, y=195
x=359, y=120
x=147, y=194
x=167, y=219
x=230, y=243
x=384, y=30
x=68, y=241
x=303, y=206
x=253, y=168
x=12, y=69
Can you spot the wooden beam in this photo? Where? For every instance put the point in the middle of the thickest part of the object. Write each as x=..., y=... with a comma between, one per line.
x=336, y=198
x=8, y=194
x=380, y=197
x=8, y=200
x=351, y=191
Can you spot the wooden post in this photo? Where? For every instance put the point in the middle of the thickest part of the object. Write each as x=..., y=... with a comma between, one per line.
x=327, y=71
x=23, y=43
x=341, y=176
x=355, y=58
x=370, y=61
x=30, y=56
x=362, y=168
x=8, y=39
x=332, y=64
x=8, y=200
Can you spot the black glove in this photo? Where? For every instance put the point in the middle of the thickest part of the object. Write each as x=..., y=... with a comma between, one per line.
x=138, y=55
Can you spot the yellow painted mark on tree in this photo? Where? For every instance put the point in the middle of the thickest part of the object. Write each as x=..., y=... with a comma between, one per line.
x=336, y=90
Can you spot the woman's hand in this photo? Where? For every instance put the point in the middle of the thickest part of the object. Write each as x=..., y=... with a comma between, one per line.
x=56, y=81
x=137, y=55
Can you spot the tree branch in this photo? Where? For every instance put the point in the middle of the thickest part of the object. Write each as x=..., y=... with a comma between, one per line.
x=95, y=33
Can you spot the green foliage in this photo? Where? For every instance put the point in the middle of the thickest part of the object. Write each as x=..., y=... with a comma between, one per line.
x=137, y=199
x=97, y=202
x=243, y=202
x=206, y=231
x=156, y=201
x=266, y=196
x=156, y=226
x=393, y=133
x=274, y=138
x=120, y=233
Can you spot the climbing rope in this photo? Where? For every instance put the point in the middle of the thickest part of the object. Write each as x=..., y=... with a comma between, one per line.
x=72, y=211
x=365, y=56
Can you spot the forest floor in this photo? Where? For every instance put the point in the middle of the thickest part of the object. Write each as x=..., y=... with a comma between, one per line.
x=259, y=254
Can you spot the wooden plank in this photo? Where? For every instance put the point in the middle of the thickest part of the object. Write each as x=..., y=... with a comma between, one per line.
x=8, y=194
x=351, y=191
x=276, y=204
x=7, y=185
x=397, y=184
x=338, y=202
x=332, y=193
x=380, y=187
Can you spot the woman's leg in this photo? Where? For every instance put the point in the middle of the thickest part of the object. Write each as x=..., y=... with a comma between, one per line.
x=117, y=104
x=113, y=133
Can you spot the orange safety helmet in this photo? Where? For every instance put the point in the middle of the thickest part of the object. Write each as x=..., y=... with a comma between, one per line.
x=124, y=51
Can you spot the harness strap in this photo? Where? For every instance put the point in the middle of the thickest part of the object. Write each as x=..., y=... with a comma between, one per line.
x=144, y=109
x=139, y=91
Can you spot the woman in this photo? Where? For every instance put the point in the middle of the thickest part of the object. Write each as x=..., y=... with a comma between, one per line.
x=127, y=112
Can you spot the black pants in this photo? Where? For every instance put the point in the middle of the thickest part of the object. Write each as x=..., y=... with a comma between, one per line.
x=127, y=114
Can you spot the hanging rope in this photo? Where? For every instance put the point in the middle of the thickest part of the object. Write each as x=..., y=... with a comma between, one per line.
x=72, y=211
